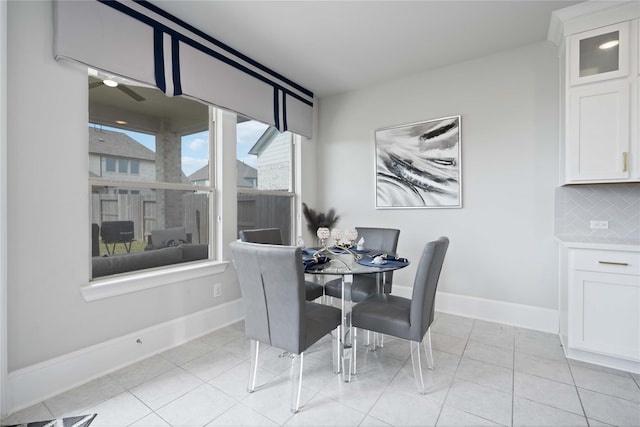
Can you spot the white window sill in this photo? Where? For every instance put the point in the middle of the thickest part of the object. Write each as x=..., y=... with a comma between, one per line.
x=133, y=282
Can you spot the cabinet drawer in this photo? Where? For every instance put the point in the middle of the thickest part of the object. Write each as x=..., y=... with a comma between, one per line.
x=621, y=262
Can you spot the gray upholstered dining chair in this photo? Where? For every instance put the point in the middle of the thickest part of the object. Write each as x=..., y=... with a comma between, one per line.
x=272, y=284
x=380, y=239
x=409, y=319
x=273, y=236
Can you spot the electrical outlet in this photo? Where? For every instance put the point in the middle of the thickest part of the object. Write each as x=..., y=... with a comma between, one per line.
x=217, y=290
x=599, y=225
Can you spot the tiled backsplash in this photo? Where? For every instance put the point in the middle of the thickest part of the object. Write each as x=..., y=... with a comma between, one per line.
x=577, y=205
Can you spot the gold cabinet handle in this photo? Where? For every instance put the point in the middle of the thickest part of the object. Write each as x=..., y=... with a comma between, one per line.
x=613, y=263
x=624, y=161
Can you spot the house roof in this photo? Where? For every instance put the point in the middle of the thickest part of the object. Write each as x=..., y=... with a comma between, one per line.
x=201, y=174
x=246, y=175
x=265, y=139
x=117, y=144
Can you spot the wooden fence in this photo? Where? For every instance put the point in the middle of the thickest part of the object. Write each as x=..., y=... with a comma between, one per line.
x=142, y=209
x=254, y=211
x=265, y=211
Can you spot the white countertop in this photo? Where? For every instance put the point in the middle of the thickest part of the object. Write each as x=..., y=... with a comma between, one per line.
x=606, y=243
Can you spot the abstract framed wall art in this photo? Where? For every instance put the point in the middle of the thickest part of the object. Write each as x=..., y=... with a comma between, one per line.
x=418, y=165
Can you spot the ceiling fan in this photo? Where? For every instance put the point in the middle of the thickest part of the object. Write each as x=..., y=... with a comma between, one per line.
x=120, y=86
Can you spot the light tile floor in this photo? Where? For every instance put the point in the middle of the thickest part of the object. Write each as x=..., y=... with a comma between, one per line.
x=486, y=374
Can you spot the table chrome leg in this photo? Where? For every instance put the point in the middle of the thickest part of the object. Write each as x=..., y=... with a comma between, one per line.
x=346, y=348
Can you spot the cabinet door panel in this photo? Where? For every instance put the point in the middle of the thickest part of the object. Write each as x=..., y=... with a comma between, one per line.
x=606, y=315
x=598, y=132
x=599, y=54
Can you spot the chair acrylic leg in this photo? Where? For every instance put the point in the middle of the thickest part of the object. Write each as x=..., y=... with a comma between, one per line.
x=429, y=353
x=296, y=381
x=355, y=348
x=335, y=342
x=417, y=366
x=378, y=341
x=253, y=370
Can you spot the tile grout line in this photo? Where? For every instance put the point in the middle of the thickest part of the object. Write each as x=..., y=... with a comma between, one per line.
x=584, y=412
x=637, y=402
x=151, y=409
x=453, y=377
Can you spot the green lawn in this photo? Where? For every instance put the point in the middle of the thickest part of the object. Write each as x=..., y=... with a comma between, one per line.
x=136, y=246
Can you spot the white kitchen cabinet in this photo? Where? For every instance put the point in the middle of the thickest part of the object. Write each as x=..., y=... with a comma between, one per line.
x=600, y=54
x=598, y=131
x=600, y=304
x=600, y=121
x=604, y=294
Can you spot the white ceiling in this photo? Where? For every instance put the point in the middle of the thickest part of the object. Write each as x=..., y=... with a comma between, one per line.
x=335, y=46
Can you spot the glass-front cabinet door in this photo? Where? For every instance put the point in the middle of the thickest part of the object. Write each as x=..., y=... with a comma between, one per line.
x=599, y=54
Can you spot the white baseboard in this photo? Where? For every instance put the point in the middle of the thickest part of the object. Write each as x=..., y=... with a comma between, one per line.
x=520, y=315
x=603, y=360
x=600, y=359
x=33, y=384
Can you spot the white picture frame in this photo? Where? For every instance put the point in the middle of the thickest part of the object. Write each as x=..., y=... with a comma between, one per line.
x=418, y=165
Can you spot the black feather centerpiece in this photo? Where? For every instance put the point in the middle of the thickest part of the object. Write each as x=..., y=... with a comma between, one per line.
x=316, y=220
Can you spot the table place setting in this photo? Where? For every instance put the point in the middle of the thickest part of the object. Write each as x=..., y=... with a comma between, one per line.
x=345, y=253
x=377, y=260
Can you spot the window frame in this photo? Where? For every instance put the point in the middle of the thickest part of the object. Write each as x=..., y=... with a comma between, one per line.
x=292, y=193
x=124, y=283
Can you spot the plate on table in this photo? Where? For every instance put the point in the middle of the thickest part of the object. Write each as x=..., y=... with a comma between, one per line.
x=361, y=251
x=338, y=250
x=368, y=261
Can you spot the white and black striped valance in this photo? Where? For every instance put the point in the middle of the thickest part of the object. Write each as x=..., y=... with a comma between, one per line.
x=139, y=41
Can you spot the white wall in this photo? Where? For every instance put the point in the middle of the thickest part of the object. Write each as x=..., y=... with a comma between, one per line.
x=48, y=236
x=502, y=245
x=4, y=401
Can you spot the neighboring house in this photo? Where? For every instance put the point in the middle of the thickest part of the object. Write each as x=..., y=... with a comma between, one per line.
x=273, y=150
x=115, y=155
x=201, y=176
x=247, y=175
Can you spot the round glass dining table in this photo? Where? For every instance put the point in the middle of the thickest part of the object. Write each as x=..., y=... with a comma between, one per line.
x=347, y=263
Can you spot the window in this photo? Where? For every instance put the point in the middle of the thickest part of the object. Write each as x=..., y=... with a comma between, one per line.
x=120, y=166
x=144, y=148
x=123, y=166
x=265, y=178
x=110, y=164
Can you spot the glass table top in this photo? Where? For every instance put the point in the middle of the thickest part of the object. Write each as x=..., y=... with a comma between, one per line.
x=341, y=261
